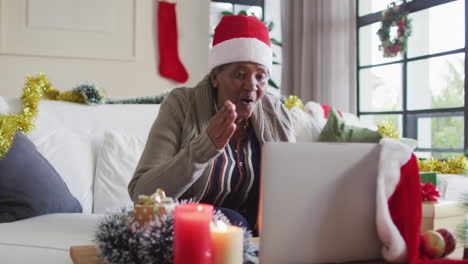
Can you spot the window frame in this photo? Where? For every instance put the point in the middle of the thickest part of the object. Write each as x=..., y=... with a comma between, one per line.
x=260, y=3
x=410, y=117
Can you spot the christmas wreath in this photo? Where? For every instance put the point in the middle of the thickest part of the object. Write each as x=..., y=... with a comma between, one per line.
x=394, y=16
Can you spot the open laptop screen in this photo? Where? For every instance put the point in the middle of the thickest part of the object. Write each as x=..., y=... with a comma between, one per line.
x=318, y=202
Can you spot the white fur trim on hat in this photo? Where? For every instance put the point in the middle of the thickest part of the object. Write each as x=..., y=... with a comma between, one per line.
x=241, y=49
x=393, y=156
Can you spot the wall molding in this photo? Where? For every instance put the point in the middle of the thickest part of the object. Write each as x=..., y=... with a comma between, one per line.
x=17, y=37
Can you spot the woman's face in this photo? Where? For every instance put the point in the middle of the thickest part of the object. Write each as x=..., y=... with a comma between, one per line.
x=243, y=83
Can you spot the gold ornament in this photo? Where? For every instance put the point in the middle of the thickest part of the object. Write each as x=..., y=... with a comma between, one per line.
x=292, y=101
x=386, y=129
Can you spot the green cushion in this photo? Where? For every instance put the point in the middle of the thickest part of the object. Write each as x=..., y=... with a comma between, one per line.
x=336, y=130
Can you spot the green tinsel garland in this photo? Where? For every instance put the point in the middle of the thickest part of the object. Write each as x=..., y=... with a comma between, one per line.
x=158, y=99
x=89, y=92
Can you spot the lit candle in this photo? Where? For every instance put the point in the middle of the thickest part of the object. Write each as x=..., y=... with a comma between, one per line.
x=227, y=243
x=192, y=240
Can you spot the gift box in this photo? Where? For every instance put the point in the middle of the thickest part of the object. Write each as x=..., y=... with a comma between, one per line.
x=151, y=206
x=165, y=206
x=444, y=214
x=429, y=177
x=144, y=213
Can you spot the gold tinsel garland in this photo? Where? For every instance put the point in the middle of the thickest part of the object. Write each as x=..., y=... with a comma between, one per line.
x=34, y=89
x=453, y=165
x=68, y=96
x=23, y=121
x=292, y=101
x=386, y=129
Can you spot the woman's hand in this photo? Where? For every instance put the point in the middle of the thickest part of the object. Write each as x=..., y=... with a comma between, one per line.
x=221, y=126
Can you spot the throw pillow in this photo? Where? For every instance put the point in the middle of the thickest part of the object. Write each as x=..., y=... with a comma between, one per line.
x=116, y=163
x=336, y=130
x=72, y=154
x=306, y=128
x=30, y=186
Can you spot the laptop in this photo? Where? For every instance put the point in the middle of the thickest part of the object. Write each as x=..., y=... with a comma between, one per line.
x=318, y=203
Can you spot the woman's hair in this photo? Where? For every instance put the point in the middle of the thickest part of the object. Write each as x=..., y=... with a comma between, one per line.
x=218, y=69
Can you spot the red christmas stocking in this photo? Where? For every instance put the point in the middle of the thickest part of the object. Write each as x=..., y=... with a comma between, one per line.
x=170, y=65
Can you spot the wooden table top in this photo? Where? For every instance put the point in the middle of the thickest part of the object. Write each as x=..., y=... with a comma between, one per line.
x=88, y=254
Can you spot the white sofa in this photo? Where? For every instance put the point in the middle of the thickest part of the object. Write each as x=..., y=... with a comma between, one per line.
x=95, y=150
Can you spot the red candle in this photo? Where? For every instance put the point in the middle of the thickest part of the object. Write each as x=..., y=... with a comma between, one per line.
x=192, y=237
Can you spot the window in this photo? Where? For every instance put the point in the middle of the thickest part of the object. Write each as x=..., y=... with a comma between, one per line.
x=422, y=92
x=234, y=6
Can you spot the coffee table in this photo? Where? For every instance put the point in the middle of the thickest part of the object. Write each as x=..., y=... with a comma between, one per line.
x=88, y=254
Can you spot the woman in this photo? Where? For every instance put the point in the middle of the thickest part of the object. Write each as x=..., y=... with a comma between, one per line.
x=206, y=141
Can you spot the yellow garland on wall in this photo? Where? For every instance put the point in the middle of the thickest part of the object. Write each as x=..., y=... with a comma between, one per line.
x=33, y=91
x=453, y=165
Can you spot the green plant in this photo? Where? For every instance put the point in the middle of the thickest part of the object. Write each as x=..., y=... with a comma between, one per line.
x=269, y=25
x=448, y=132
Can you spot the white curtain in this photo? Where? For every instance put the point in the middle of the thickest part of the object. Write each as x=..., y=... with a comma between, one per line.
x=319, y=51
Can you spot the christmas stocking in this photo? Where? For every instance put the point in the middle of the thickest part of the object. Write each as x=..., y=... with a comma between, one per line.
x=170, y=65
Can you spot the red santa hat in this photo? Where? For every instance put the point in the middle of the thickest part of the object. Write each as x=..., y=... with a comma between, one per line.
x=241, y=38
x=399, y=205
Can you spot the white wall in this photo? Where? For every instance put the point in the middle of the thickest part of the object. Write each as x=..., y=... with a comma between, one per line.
x=120, y=78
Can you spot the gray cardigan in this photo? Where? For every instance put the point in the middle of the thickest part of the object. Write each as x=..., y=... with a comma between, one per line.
x=178, y=156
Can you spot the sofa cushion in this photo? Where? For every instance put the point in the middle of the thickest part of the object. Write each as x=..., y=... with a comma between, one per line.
x=30, y=186
x=336, y=130
x=306, y=127
x=116, y=163
x=71, y=155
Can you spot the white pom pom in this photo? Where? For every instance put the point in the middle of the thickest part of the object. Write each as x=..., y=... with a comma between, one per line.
x=316, y=111
x=306, y=128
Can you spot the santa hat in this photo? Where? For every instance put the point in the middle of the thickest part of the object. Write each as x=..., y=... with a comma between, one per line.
x=241, y=38
x=399, y=205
